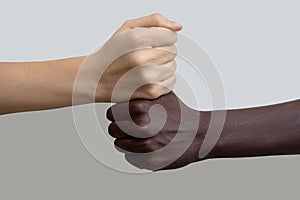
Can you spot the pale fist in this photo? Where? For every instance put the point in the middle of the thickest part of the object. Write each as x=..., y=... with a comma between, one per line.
x=148, y=69
x=137, y=62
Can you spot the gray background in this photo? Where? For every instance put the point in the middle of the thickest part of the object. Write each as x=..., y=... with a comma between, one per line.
x=255, y=45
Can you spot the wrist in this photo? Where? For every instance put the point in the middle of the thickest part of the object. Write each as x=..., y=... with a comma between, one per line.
x=102, y=94
x=89, y=86
x=69, y=69
x=205, y=119
x=83, y=89
x=219, y=143
x=202, y=128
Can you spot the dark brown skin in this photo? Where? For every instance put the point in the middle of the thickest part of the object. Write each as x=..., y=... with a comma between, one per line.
x=261, y=131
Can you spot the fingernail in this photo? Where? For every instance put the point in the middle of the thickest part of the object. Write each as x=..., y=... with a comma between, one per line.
x=175, y=24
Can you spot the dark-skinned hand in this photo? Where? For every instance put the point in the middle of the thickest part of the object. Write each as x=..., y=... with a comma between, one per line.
x=167, y=136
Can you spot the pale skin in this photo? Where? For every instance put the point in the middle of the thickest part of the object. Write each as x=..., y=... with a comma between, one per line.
x=31, y=86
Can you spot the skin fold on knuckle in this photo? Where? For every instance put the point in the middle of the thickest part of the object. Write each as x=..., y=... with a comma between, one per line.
x=139, y=58
x=157, y=18
x=138, y=107
x=153, y=91
x=146, y=74
x=169, y=83
x=146, y=146
x=168, y=51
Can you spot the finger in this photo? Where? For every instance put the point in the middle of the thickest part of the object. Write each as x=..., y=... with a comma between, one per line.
x=159, y=37
x=162, y=55
x=155, y=90
x=164, y=86
x=150, y=37
x=133, y=145
x=168, y=70
x=142, y=38
x=128, y=129
x=154, y=20
x=115, y=131
x=169, y=82
x=124, y=111
x=158, y=55
x=171, y=65
x=152, y=73
x=137, y=39
x=166, y=54
x=144, y=161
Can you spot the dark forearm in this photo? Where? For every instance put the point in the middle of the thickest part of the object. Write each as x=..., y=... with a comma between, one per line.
x=262, y=131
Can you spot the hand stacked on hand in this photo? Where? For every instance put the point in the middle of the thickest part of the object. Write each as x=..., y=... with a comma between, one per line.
x=137, y=62
x=151, y=137
x=153, y=128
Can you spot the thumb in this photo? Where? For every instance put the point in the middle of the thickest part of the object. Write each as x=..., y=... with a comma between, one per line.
x=154, y=20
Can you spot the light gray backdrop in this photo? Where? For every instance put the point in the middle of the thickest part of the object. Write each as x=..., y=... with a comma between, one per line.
x=255, y=45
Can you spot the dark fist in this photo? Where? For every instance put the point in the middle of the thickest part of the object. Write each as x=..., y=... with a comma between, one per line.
x=157, y=134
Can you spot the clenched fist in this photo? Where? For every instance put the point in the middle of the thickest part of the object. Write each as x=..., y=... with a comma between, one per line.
x=159, y=134
x=136, y=62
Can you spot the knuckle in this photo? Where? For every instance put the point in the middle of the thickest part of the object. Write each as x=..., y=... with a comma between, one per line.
x=114, y=130
x=149, y=74
x=146, y=77
x=149, y=134
x=112, y=112
x=110, y=128
x=139, y=58
x=174, y=78
x=133, y=37
x=169, y=84
x=174, y=50
x=168, y=89
x=173, y=66
x=170, y=50
x=117, y=143
x=153, y=91
x=147, y=145
x=156, y=17
x=128, y=22
x=157, y=14
x=172, y=81
x=138, y=107
x=109, y=115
